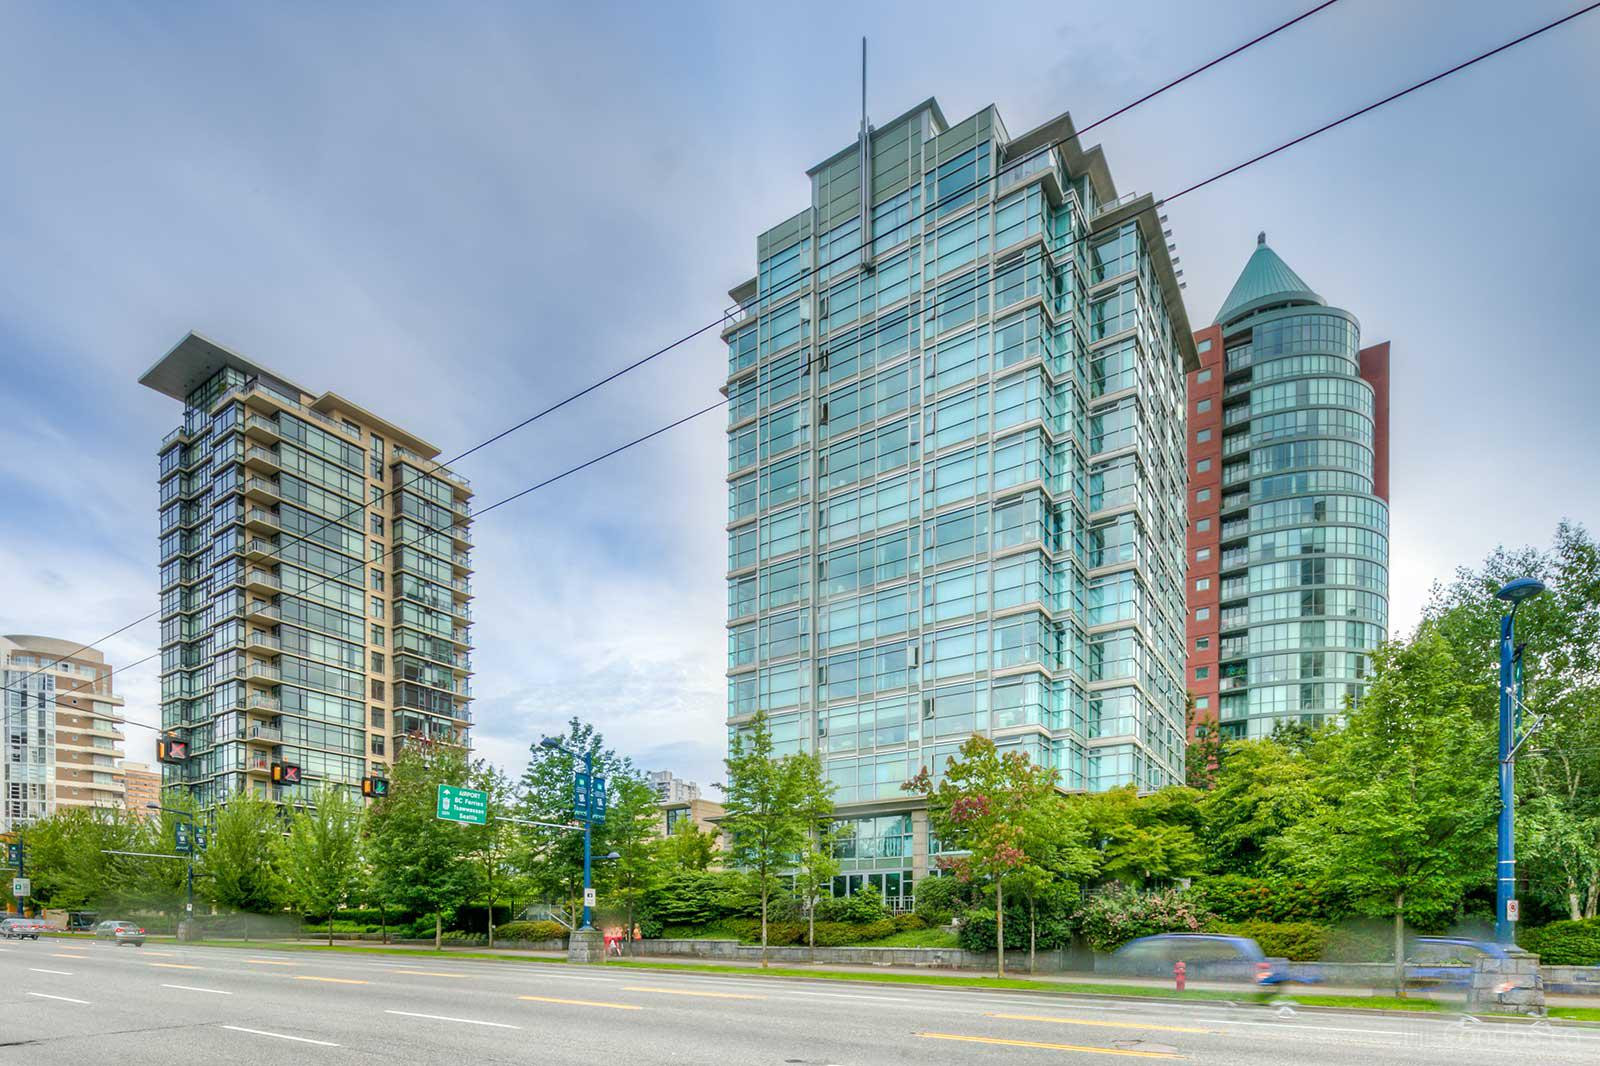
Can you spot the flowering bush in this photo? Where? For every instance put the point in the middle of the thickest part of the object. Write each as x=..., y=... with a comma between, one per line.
x=1118, y=914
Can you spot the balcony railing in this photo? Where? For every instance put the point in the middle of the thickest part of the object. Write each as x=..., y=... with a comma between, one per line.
x=257, y=702
x=256, y=514
x=261, y=640
x=262, y=577
x=266, y=733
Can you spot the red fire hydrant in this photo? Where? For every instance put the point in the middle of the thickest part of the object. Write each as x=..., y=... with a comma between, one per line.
x=1178, y=972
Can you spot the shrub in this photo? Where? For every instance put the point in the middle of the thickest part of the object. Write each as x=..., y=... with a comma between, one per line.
x=1565, y=943
x=939, y=899
x=1235, y=898
x=908, y=921
x=977, y=930
x=843, y=934
x=530, y=931
x=1297, y=941
x=865, y=905
x=1119, y=914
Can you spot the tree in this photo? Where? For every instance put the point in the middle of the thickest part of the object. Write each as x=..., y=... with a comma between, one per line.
x=817, y=866
x=1205, y=750
x=1560, y=634
x=489, y=846
x=321, y=855
x=1262, y=789
x=1058, y=859
x=241, y=859
x=553, y=858
x=688, y=847
x=768, y=810
x=631, y=828
x=1144, y=840
x=981, y=809
x=1408, y=816
x=421, y=860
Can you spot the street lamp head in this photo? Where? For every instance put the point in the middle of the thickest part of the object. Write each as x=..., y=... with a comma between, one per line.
x=152, y=806
x=550, y=742
x=1519, y=589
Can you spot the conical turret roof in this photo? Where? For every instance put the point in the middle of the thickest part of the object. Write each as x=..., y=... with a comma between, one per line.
x=1266, y=279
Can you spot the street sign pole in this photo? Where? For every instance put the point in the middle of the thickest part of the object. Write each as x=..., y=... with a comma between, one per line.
x=588, y=826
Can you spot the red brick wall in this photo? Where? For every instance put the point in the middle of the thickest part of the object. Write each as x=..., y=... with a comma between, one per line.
x=1375, y=370
x=1199, y=510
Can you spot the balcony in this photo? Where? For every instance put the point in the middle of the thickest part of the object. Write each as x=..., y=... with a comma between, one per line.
x=264, y=734
x=264, y=489
x=462, y=560
x=262, y=582
x=462, y=637
x=264, y=674
x=268, y=645
x=262, y=428
x=256, y=701
x=262, y=459
x=256, y=518
x=181, y=433
x=258, y=550
x=258, y=764
x=262, y=612
x=462, y=586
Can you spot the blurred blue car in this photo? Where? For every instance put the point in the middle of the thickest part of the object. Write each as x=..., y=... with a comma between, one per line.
x=1206, y=956
x=1446, y=961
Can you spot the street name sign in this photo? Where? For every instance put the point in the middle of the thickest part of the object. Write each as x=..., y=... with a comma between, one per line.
x=21, y=886
x=469, y=806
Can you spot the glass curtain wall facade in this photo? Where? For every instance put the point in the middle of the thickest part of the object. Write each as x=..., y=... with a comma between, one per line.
x=1290, y=521
x=955, y=474
x=314, y=584
x=28, y=731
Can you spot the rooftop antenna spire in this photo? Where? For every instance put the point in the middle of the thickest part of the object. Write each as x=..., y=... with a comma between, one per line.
x=864, y=165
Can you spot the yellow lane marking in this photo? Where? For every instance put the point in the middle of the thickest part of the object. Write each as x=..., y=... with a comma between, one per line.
x=172, y=966
x=330, y=980
x=1106, y=1024
x=1050, y=1047
x=269, y=962
x=432, y=973
x=581, y=1002
x=686, y=992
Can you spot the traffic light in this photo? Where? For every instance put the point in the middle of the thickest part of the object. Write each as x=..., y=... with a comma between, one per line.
x=171, y=750
x=376, y=787
x=285, y=773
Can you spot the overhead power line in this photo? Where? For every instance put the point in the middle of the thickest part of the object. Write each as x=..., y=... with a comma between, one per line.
x=714, y=323
x=1164, y=200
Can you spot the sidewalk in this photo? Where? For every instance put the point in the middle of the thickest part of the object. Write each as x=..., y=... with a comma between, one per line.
x=1074, y=978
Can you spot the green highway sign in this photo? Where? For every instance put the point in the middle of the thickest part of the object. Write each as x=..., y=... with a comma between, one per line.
x=468, y=806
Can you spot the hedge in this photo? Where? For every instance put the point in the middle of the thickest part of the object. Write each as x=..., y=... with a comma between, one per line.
x=1566, y=943
x=530, y=931
x=1296, y=941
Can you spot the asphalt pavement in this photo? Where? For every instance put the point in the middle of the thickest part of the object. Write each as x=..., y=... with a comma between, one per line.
x=75, y=1002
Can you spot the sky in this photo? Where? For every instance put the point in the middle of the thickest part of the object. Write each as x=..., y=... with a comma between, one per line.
x=455, y=214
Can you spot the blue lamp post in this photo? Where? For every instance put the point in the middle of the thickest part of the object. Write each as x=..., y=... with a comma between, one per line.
x=1505, y=889
x=588, y=822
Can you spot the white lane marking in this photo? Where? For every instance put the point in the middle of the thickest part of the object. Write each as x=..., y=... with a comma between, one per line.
x=192, y=988
x=64, y=999
x=1288, y=1027
x=280, y=1036
x=38, y=969
x=443, y=1018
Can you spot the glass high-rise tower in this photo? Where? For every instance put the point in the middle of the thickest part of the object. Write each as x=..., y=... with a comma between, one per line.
x=314, y=584
x=1289, y=509
x=955, y=473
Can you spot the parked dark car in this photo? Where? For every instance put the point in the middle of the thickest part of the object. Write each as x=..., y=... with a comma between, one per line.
x=121, y=933
x=1446, y=961
x=21, y=929
x=1203, y=954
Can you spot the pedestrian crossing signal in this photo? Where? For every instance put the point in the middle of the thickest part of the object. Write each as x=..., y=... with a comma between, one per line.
x=171, y=750
x=376, y=787
x=285, y=773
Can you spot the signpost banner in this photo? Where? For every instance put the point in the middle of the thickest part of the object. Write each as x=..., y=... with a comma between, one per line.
x=469, y=806
x=180, y=839
x=21, y=886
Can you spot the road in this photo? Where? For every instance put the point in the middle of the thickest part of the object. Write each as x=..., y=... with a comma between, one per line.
x=65, y=1003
